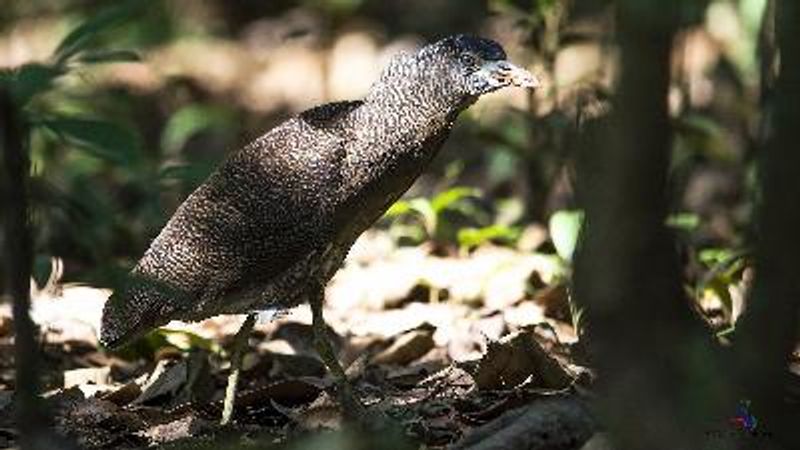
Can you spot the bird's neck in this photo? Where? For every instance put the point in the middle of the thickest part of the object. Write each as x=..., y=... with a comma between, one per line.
x=413, y=102
x=399, y=128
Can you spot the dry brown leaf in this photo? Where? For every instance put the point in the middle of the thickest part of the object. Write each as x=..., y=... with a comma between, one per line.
x=286, y=392
x=300, y=337
x=407, y=347
x=5, y=325
x=555, y=301
x=410, y=376
x=517, y=357
x=124, y=395
x=167, y=379
x=323, y=413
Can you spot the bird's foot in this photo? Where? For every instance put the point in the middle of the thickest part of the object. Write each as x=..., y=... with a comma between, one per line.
x=352, y=408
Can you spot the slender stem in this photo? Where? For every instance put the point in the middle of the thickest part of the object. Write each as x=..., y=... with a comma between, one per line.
x=31, y=417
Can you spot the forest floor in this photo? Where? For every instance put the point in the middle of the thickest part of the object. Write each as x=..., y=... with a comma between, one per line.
x=451, y=351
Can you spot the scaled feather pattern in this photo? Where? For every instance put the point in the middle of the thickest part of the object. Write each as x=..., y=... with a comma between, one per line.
x=273, y=224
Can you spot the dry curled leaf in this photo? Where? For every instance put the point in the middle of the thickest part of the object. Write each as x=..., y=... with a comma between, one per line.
x=517, y=357
x=167, y=378
x=407, y=347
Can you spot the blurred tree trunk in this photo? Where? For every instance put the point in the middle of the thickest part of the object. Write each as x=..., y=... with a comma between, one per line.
x=31, y=418
x=657, y=381
x=768, y=331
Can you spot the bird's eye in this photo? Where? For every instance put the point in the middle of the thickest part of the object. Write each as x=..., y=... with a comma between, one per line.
x=468, y=60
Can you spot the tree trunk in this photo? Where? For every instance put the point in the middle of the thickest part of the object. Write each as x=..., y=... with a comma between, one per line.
x=768, y=331
x=31, y=417
x=656, y=383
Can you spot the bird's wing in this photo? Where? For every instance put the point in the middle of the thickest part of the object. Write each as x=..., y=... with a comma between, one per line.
x=263, y=212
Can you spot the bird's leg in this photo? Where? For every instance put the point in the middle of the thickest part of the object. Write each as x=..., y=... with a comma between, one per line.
x=239, y=345
x=351, y=406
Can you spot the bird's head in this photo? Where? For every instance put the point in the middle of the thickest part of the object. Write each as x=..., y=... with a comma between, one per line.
x=478, y=66
x=138, y=307
x=446, y=76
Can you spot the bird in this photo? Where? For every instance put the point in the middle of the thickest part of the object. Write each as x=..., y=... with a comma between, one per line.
x=271, y=226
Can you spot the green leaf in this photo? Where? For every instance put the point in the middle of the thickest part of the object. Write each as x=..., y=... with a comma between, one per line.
x=425, y=209
x=399, y=208
x=108, y=56
x=81, y=37
x=408, y=234
x=189, y=120
x=714, y=256
x=684, y=221
x=186, y=340
x=450, y=197
x=473, y=237
x=101, y=139
x=565, y=226
x=30, y=80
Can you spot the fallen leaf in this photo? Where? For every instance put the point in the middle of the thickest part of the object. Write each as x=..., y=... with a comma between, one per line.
x=323, y=413
x=167, y=378
x=5, y=326
x=410, y=376
x=514, y=359
x=407, y=348
x=124, y=395
x=88, y=375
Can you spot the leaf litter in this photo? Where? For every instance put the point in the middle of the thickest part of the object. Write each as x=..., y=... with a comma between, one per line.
x=490, y=350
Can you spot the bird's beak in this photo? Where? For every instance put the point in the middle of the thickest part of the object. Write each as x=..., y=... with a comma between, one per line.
x=505, y=73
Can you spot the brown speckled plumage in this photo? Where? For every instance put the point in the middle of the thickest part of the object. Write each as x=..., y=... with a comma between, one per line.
x=272, y=225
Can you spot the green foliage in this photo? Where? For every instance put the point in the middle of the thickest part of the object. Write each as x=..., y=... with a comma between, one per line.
x=420, y=218
x=684, y=221
x=565, y=227
x=98, y=138
x=725, y=268
x=34, y=87
x=82, y=37
x=108, y=56
x=30, y=80
x=148, y=345
x=469, y=238
x=34, y=79
x=454, y=217
x=191, y=119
